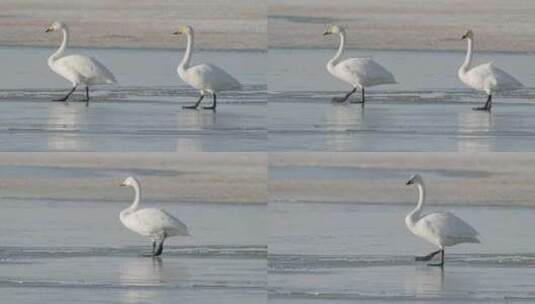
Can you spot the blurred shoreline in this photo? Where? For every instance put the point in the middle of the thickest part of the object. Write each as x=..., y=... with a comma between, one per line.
x=452, y=178
x=236, y=24
x=165, y=177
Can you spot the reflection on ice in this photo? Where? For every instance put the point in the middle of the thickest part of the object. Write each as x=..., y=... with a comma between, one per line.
x=196, y=121
x=473, y=125
x=63, y=120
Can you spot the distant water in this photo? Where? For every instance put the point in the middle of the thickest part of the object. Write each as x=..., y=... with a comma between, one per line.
x=143, y=113
x=342, y=253
x=62, y=252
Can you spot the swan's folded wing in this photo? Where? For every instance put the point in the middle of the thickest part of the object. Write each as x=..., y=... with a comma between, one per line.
x=487, y=76
x=87, y=67
x=213, y=76
x=367, y=71
x=155, y=220
x=449, y=227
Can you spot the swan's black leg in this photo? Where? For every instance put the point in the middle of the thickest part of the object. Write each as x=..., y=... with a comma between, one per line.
x=196, y=105
x=441, y=264
x=66, y=96
x=213, y=106
x=343, y=99
x=428, y=257
x=363, y=98
x=159, y=251
x=87, y=96
x=487, y=106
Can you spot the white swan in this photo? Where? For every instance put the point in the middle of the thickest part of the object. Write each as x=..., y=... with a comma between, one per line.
x=440, y=229
x=359, y=72
x=155, y=224
x=78, y=69
x=205, y=77
x=484, y=77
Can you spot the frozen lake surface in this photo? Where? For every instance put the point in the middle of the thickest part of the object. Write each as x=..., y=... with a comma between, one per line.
x=144, y=113
x=342, y=253
x=64, y=252
x=429, y=110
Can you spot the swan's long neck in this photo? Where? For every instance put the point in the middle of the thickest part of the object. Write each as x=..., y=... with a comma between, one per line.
x=468, y=59
x=184, y=64
x=57, y=54
x=340, y=51
x=137, y=198
x=414, y=215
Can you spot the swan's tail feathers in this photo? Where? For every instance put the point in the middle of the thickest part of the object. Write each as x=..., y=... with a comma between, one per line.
x=235, y=84
x=474, y=239
x=111, y=79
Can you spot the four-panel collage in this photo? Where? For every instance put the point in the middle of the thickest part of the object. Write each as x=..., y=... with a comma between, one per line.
x=287, y=152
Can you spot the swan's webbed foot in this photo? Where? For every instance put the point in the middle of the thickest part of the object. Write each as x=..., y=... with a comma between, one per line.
x=64, y=99
x=481, y=109
x=194, y=106
x=486, y=107
x=426, y=258
x=441, y=264
x=338, y=99
x=345, y=98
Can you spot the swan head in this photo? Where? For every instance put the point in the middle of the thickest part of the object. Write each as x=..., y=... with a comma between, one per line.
x=184, y=29
x=56, y=26
x=334, y=29
x=468, y=35
x=130, y=181
x=415, y=179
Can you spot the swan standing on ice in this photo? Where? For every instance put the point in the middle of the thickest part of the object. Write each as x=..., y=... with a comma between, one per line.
x=359, y=72
x=484, y=77
x=205, y=77
x=78, y=69
x=441, y=229
x=152, y=223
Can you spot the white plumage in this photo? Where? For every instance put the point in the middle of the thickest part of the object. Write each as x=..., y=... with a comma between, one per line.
x=485, y=77
x=442, y=229
x=78, y=69
x=154, y=224
x=359, y=72
x=206, y=77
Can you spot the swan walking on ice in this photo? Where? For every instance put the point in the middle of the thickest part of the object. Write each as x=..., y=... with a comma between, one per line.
x=359, y=72
x=78, y=69
x=152, y=223
x=484, y=77
x=205, y=77
x=440, y=229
